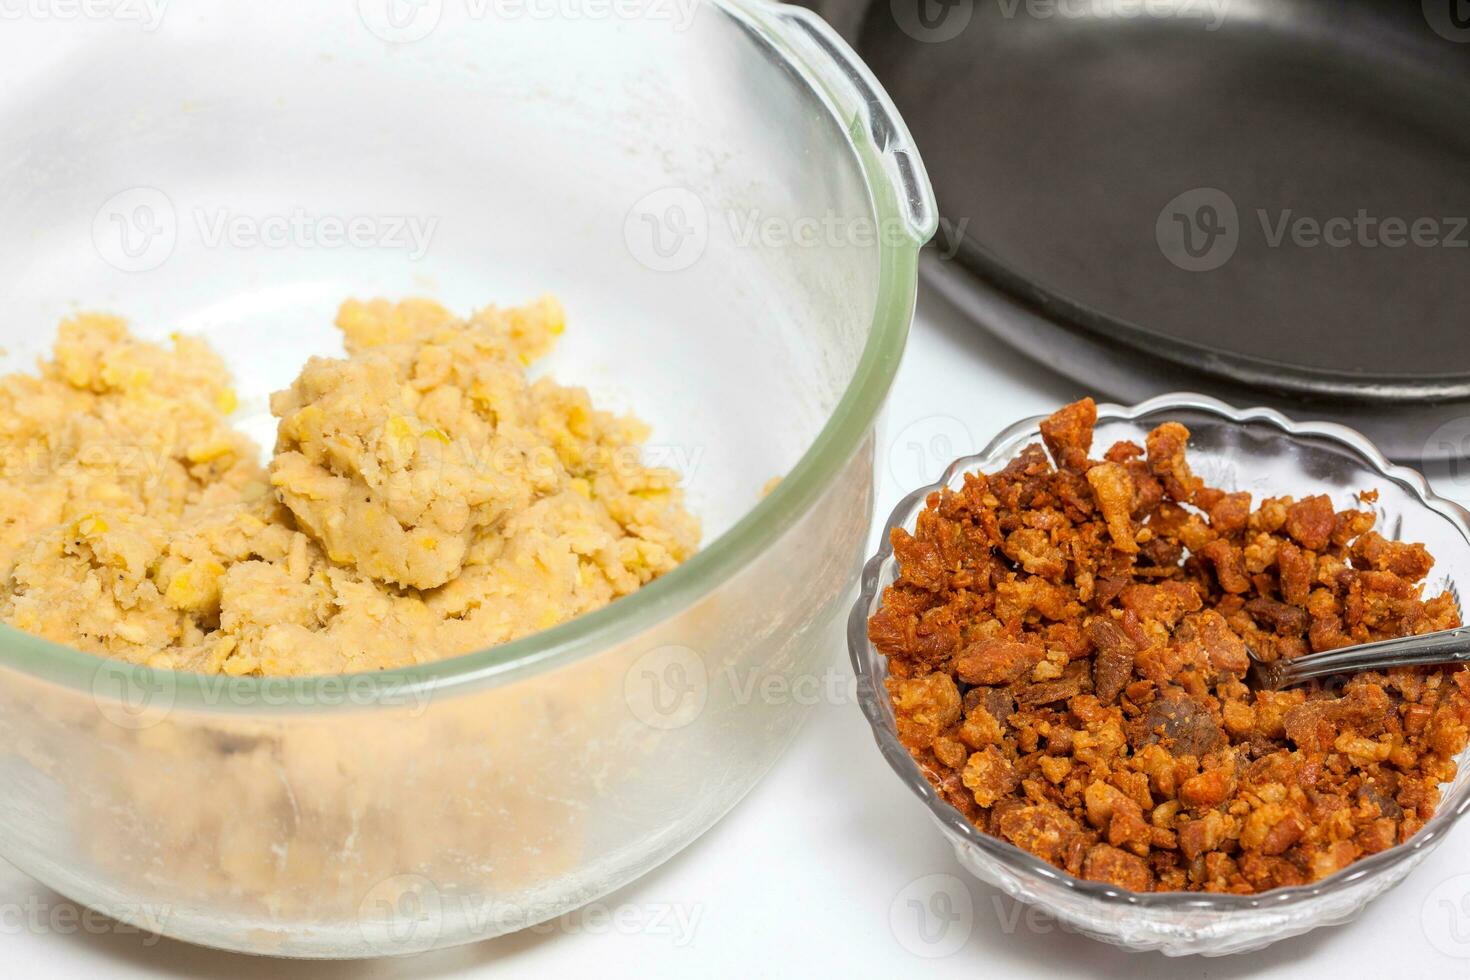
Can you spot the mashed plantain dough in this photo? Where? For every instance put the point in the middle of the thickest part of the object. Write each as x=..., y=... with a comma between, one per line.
x=425, y=498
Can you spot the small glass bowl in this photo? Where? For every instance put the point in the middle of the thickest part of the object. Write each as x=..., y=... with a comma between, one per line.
x=1254, y=449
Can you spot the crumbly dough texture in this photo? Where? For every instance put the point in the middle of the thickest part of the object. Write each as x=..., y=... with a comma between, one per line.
x=1067, y=645
x=425, y=498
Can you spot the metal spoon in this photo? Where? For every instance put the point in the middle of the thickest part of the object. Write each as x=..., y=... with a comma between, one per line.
x=1425, y=650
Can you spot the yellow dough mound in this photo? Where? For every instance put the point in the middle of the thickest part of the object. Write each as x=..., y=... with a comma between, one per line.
x=425, y=498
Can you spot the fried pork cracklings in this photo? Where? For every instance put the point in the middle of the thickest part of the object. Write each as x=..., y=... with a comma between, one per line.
x=425, y=498
x=1067, y=645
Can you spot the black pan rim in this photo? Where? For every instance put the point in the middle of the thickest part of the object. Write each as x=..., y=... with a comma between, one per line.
x=1245, y=369
x=1231, y=364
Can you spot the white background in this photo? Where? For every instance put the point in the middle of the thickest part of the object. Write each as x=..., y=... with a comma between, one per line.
x=809, y=875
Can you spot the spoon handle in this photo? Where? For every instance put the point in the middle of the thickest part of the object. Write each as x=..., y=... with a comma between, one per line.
x=1427, y=649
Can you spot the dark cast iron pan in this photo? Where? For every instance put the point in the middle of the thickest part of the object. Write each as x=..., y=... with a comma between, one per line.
x=1268, y=199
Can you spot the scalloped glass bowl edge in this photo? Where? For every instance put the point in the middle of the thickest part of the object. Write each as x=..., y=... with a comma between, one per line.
x=1254, y=449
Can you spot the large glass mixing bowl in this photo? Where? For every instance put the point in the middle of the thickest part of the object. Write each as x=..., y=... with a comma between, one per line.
x=731, y=213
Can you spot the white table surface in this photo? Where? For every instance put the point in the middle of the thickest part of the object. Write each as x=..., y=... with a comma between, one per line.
x=809, y=875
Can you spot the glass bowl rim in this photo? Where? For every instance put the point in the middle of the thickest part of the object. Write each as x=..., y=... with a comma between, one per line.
x=873, y=700
x=876, y=137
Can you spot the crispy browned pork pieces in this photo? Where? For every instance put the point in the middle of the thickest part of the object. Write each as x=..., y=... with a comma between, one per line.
x=1067, y=641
